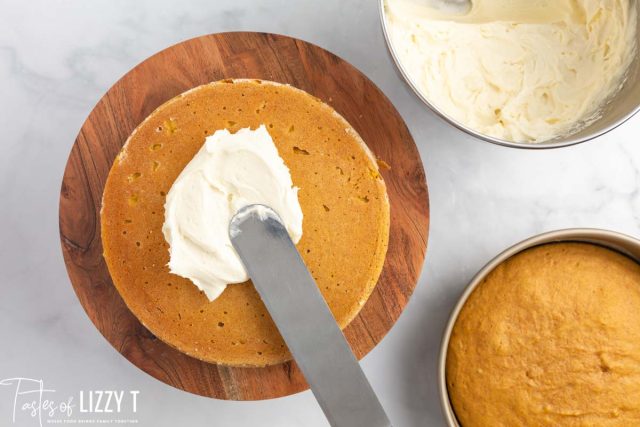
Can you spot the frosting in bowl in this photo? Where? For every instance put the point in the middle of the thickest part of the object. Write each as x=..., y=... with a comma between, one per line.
x=519, y=73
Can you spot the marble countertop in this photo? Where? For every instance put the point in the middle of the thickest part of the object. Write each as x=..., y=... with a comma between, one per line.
x=57, y=57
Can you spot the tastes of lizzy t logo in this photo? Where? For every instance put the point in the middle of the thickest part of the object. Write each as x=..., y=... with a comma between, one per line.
x=32, y=401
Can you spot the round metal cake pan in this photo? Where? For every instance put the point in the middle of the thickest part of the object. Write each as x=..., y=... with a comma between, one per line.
x=619, y=242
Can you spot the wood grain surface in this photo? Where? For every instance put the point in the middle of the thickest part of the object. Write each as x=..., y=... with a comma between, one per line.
x=202, y=60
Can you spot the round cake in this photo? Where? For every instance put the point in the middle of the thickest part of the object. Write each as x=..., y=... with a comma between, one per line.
x=341, y=193
x=551, y=337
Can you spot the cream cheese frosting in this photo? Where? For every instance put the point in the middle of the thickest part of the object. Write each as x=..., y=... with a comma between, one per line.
x=517, y=70
x=229, y=172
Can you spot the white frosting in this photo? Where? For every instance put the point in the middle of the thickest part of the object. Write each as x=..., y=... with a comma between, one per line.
x=229, y=172
x=261, y=211
x=523, y=71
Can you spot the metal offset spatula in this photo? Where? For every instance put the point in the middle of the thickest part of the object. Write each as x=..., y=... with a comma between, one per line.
x=479, y=11
x=304, y=319
x=447, y=6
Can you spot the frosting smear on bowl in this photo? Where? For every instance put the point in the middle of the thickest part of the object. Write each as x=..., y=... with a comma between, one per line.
x=229, y=172
x=515, y=70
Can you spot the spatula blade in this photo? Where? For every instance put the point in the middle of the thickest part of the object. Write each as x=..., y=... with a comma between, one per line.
x=304, y=320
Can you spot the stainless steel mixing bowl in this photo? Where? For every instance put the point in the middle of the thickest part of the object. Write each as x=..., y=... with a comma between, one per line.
x=619, y=242
x=618, y=110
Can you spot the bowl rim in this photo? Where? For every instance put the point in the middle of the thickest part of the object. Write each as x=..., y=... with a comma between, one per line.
x=611, y=239
x=497, y=141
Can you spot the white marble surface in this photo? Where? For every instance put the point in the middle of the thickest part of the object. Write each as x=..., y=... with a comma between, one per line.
x=57, y=57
